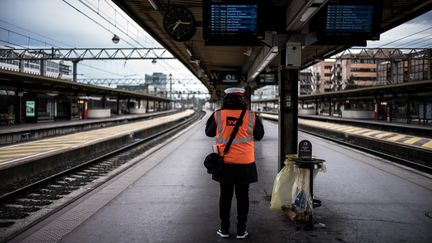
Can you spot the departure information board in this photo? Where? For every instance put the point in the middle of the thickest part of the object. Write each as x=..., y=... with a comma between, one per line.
x=233, y=22
x=233, y=18
x=349, y=18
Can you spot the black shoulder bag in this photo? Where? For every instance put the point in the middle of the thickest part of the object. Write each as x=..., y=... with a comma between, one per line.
x=213, y=162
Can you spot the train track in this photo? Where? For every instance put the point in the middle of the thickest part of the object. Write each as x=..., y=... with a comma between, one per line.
x=29, y=204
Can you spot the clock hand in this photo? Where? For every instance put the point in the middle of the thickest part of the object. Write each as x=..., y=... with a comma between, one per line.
x=178, y=22
x=181, y=22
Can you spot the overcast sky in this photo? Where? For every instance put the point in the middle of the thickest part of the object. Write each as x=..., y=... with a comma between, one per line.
x=57, y=23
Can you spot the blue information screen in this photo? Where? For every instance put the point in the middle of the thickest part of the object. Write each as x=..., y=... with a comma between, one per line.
x=349, y=18
x=233, y=18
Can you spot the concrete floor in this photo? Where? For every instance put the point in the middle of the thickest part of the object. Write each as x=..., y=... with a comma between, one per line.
x=170, y=198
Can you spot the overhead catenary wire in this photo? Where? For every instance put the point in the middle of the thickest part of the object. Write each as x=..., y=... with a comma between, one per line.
x=402, y=38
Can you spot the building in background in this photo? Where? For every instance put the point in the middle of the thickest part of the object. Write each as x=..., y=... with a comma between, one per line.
x=156, y=84
x=51, y=68
x=321, y=76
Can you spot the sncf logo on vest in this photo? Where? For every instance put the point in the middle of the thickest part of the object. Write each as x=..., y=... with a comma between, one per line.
x=231, y=121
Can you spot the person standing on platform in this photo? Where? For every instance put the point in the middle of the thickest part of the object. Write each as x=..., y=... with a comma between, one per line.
x=238, y=169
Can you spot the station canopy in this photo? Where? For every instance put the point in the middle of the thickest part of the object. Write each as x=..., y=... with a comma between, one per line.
x=221, y=55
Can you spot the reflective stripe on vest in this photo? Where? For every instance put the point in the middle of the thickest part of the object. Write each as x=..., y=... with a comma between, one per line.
x=242, y=147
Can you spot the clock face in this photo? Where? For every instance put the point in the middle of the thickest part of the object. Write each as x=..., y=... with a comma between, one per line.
x=179, y=23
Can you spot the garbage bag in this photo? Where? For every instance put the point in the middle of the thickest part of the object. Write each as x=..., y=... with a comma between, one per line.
x=283, y=187
x=301, y=200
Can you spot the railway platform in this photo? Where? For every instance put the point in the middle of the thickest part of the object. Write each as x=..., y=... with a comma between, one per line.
x=33, y=131
x=169, y=197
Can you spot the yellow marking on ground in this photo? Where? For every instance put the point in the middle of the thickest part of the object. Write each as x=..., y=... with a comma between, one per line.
x=371, y=133
x=25, y=150
x=412, y=140
x=361, y=131
x=353, y=130
x=31, y=146
x=394, y=138
x=428, y=145
x=383, y=134
x=3, y=156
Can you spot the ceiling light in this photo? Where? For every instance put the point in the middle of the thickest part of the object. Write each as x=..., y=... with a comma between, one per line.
x=115, y=39
x=307, y=14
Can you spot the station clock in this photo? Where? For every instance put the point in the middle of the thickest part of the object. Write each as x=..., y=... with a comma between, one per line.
x=179, y=23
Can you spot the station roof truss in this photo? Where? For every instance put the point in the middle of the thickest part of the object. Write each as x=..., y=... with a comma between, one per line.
x=112, y=81
x=386, y=53
x=23, y=82
x=76, y=54
x=202, y=59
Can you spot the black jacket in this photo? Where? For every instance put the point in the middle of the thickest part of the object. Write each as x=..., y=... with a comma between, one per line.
x=237, y=173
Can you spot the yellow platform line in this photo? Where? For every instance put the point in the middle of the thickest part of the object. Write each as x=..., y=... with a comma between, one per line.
x=5, y=156
x=412, y=140
x=371, y=133
x=428, y=145
x=26, y=150
x=394, y=138
x=384, y=134
x=361, y=131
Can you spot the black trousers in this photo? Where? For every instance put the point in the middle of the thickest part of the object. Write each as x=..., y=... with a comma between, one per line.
x=242, y=196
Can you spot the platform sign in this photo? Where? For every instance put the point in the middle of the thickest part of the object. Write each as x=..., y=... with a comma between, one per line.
x=225, y=77
x=30, y=108
x=305, y=149
x=267, y=78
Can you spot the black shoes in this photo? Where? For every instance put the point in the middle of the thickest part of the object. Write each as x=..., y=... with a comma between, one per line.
x=223, y=233
x=242, y=234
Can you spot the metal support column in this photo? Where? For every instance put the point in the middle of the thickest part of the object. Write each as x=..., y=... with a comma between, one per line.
x=74, y=70
x=288, y=112
x=118, y=105
x=43, y=67
x=147, y=105
x=330, y=107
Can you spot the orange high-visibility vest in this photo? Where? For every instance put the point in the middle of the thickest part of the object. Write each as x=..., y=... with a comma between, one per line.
x=242, y=147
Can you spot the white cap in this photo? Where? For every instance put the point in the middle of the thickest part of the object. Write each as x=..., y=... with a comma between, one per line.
x=234, y=91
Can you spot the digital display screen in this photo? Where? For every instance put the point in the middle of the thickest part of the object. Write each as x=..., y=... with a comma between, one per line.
x=349, y=18
x=233, y=18
x=233, y=22
x=30, y=108
x=347, y=22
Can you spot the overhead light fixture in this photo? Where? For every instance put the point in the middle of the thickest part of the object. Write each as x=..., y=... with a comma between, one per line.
x=308, y=13
x=115, y=39
x=154, y=61
x=266, y=60
x=153, y=4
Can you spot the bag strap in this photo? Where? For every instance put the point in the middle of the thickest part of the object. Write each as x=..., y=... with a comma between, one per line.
x=234, y=132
